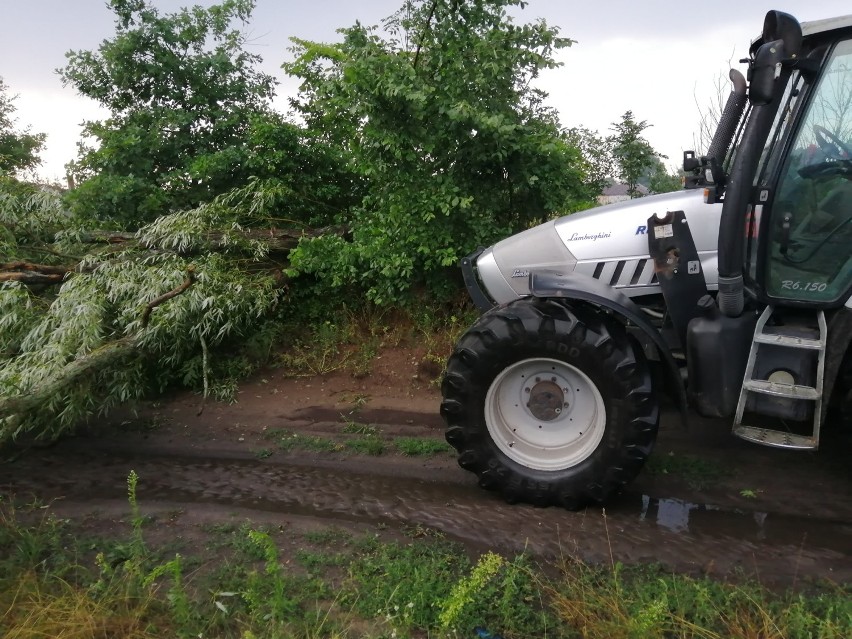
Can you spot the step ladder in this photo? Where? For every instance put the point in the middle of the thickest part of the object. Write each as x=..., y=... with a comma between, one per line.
x=779, y=438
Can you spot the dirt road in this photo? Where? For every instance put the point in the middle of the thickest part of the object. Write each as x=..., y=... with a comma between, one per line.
x=708, y=503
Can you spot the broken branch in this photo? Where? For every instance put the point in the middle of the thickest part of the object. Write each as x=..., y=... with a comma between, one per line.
x=189, y=281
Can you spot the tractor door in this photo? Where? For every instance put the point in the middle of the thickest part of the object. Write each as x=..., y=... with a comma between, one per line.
x=802, y=253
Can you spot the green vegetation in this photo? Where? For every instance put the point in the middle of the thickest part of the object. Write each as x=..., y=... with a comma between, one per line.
x=635, y=158
x=238, y=579
x=453, y=145
x=363, y=439
x=206, y=234
x=421, y=446
x=18, y=149
x=182, y=116
x=288, y=441
x=695, y=472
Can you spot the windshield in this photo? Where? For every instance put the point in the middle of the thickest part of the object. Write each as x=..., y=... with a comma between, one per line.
x=809, y=255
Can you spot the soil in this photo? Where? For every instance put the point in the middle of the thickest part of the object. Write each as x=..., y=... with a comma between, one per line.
x=707, y=502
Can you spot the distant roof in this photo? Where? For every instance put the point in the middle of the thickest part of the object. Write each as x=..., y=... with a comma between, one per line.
x=827, y=24
x=614, y=190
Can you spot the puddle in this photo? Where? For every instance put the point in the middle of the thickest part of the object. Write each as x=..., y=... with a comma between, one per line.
x=684, y=517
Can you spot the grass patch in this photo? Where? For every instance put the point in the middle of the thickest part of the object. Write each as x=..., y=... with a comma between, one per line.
x=357, y=428
x=421, y=446
x=697, y=473
x=648, y=601
x=332, y=536
x=367, y=445
x=289, y=441
x=364, y=586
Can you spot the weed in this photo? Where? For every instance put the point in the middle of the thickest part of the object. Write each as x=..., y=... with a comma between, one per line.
x=383, y=576
x=266, y=597
x=626, y=602
x=263, y=453
x=246, y=547
x=313, y=560
x=32, y=547
x=696, y=472
x=328, y=537
x=367, y=445
x=464, y=590
x=137, y=544
x=750, y=493
x=358, y=400
x=421, y=446
x=34, y=605
x=288, y=441
x=320, y=352
x=419, y=531
x=356, y=428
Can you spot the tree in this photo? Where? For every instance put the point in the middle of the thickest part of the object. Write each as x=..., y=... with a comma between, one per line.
x=597, y=154
x=455, y=147
x=632, y=153
x=709, y=114
x=18, y=149
x=658, y=179
x=126, y=314
x=184, y=97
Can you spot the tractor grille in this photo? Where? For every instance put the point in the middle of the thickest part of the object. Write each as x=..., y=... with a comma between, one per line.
x=621, y=273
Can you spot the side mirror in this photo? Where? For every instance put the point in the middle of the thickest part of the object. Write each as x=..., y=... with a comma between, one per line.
x=764, y=71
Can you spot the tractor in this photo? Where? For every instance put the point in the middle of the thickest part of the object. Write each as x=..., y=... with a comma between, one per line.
x=732, y=296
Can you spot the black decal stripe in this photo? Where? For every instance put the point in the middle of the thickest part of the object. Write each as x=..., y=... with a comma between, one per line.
x=638, y=272
x=617, y=274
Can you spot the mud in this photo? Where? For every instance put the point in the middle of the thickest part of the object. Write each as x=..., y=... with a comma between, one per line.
x=781, y=516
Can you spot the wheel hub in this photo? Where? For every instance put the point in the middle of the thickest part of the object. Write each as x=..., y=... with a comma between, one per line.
x=546, y=399
x=544, y=413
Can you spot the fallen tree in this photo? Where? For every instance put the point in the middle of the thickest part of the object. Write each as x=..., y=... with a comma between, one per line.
x=136, y=312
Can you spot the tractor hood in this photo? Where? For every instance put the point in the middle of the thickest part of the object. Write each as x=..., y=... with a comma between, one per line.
x=608, y=243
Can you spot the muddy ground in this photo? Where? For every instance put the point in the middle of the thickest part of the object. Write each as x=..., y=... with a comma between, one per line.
x=707, y=504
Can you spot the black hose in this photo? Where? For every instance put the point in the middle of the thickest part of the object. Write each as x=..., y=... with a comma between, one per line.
x=738, y=196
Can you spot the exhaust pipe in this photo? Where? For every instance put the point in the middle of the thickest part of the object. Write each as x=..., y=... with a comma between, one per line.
x=731, y=115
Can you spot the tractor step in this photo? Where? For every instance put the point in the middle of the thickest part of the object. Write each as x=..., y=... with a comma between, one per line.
x=775, y=438
x=784, y=392
x=781, y=390
x=788, y=340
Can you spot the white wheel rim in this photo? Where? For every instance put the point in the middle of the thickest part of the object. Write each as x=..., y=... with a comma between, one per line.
x=545, y=414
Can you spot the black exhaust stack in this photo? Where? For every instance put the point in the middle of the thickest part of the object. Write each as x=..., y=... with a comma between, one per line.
x=769, y=70
x=707, y=170
x=730, y=118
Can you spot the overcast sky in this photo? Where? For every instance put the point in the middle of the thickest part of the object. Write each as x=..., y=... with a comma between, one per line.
x=654, y=57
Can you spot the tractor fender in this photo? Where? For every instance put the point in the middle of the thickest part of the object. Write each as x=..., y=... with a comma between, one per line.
x=588, y=290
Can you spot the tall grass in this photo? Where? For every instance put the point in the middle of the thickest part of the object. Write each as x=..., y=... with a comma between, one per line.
x=339, y=585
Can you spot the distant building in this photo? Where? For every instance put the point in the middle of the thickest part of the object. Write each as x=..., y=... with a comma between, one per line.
x=617, y=192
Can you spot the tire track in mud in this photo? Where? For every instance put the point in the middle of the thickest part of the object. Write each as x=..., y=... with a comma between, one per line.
x=633, y=528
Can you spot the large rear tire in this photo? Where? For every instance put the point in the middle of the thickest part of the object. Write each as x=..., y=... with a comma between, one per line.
x=549, y=404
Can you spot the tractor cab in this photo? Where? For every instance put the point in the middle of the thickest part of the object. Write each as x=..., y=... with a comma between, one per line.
x=798, y=247
x=786, y=233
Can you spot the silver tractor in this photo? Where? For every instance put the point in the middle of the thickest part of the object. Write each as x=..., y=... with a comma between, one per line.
x=732, y=295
